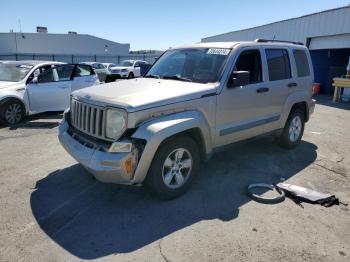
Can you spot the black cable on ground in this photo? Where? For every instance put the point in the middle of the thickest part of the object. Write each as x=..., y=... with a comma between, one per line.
x=266, y=200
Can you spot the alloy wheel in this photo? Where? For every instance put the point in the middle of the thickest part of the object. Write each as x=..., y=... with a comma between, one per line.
x=13, y=113
x=177, y=168
x=295, y=129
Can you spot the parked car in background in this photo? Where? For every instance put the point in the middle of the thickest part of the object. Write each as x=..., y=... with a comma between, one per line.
x=109, y=66
x=100, y=70
x=110, y=77
x=194, y=101
x=30, y=87
x=130, y=68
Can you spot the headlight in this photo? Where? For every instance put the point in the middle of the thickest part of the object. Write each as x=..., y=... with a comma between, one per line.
x=115, y=123
x=124, y=70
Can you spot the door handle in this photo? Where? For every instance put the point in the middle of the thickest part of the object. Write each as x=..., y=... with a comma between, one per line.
x=262, y=90
x=292, y=84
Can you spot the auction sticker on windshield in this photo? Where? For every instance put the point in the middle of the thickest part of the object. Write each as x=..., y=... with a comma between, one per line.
x=218, y=51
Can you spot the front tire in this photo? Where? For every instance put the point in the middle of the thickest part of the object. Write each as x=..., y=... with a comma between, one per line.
x=12, y=112
x=173, y=168
x=293, y=129
x=131, y=76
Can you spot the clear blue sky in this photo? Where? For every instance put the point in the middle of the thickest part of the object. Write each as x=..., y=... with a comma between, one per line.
x=152, y=24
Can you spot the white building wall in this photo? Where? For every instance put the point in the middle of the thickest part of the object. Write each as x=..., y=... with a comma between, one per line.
x=330, y=22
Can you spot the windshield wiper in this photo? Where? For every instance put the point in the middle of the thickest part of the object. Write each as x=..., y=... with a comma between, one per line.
x=153, y=76
x=175, y=77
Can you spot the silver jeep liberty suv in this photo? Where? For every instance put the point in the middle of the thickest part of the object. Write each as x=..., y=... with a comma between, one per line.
x=195, y=99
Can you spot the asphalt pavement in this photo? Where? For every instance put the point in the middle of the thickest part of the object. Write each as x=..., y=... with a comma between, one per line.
x=53, y=210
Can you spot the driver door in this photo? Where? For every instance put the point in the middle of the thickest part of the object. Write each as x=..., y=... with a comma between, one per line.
x=51, y=91
x=242, y=111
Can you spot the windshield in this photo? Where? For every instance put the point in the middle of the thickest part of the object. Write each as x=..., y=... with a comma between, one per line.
x=13, y=72
x=126, y=63
x=201, y=65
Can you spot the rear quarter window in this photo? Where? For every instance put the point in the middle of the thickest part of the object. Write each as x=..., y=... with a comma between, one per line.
x=302, y=63
x=278, y=64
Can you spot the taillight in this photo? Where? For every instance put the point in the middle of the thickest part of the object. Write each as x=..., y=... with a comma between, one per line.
x=315, y=88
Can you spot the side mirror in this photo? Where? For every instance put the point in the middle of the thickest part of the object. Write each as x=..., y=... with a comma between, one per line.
x=239, y=78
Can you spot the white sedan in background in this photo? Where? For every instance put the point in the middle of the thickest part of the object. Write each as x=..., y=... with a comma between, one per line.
x=128, y=69
x=101, y=71
x=30, y=87
x=109, y=66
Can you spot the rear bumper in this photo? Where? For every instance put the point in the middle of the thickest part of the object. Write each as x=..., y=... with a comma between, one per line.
x=104, y=166
x=312, y=106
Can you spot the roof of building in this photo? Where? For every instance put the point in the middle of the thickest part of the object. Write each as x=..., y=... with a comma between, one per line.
x=282, y=21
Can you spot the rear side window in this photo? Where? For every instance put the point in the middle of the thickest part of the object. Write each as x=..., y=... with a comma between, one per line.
x=302, y=63
x=278, y=64
x=64, y=72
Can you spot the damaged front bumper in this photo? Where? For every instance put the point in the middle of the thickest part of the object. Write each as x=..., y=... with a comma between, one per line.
x=103, y=165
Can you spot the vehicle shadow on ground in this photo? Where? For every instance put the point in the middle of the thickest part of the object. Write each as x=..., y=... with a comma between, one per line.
x=38, y=121
x=92, y=220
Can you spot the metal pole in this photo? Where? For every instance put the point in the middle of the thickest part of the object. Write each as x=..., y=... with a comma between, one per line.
x=16, y=47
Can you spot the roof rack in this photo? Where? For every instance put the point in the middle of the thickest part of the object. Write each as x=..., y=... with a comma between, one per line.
x=277, y=41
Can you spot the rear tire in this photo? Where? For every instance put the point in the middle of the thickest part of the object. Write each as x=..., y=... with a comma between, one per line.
x=293, y=129
x=12, y=112
x=109, y=79
x=173, y=168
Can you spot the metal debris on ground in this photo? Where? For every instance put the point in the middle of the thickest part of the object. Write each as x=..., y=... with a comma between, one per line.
x=296, y=193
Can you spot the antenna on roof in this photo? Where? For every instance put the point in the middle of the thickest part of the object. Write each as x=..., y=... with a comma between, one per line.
x=20, y=25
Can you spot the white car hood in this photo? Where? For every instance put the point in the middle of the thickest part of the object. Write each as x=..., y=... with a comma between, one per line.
x=143, y=93
x=7, y=84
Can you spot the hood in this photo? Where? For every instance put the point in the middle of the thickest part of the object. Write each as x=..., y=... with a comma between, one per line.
x=7, y=84
x=142, y=93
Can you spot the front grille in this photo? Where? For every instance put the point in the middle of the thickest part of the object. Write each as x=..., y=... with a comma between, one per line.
x=89, y=119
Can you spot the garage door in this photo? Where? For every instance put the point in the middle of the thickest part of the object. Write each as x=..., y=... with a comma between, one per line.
x=330, y=42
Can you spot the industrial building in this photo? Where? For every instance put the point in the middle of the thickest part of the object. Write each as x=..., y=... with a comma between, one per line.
x=326, y=34
x=71, y=47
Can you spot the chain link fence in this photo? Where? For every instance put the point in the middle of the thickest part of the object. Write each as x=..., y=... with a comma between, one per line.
x=150, y=58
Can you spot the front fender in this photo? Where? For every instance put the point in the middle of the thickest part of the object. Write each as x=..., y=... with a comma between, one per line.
x=154, y=132
x=4, y=97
